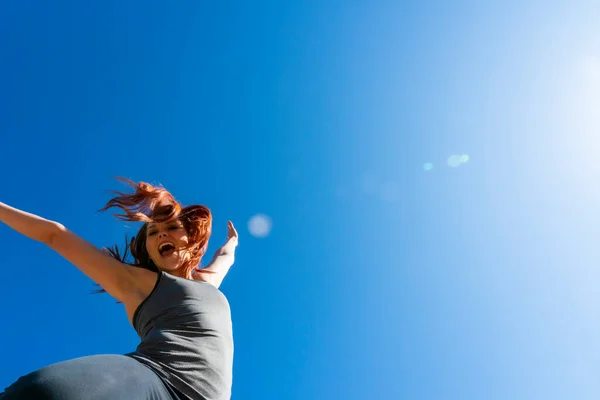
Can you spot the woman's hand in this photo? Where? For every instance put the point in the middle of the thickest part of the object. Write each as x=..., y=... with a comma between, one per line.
x=232, y=235
x=222, y=260
x=230, y=244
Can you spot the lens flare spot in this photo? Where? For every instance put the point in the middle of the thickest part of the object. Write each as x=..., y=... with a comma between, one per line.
x=454, y=160
x=260, y=225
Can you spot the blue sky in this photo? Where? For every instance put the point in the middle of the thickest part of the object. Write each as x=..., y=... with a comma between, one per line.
x=379, y=279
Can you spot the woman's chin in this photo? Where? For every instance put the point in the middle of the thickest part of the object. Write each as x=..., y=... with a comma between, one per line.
x=169, y=264
x=168, y=267
x=172, y=263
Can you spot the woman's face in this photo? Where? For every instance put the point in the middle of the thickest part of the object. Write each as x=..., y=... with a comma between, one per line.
x=165, y=242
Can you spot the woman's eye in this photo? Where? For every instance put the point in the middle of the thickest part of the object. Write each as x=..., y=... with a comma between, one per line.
x=173, y=227
x=151, y=233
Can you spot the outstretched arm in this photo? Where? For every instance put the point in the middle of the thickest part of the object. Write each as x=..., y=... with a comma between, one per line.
x=222, y=260
x=30, y=225
x=115, y=277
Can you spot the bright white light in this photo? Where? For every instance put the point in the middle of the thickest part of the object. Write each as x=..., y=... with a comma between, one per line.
x=260, y=225
x=454, y=160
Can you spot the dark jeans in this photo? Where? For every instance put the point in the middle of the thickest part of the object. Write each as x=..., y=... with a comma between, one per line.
x=101, y=377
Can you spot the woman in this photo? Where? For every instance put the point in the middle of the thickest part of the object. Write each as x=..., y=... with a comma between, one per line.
x=183, y=320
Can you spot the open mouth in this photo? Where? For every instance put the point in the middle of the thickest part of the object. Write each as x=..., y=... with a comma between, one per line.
x=166, y=249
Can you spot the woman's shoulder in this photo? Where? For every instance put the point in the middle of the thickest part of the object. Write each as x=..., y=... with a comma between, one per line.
x=144, y=279
x=145, y=282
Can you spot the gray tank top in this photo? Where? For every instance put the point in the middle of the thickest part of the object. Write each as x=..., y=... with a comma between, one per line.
x=186, y=337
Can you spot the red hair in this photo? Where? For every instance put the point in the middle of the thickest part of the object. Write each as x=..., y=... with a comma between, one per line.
x=155, y=204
